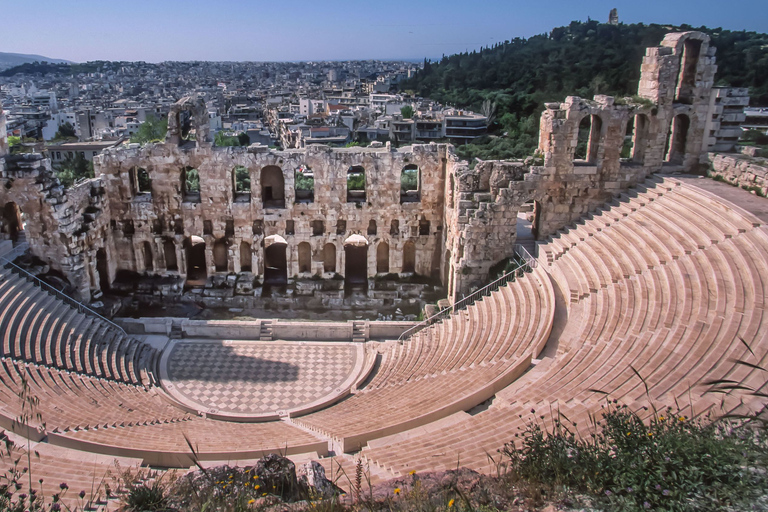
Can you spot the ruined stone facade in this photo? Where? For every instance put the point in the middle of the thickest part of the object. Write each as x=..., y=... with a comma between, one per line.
x=144, y=212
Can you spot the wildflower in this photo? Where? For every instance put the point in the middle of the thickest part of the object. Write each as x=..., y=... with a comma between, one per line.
x=255, y=477
x=681, y=418
x=231, y=477
x=665, y=492
x=629, y=434
x=55, y=507
x=23, y=496
x=82, y=494
x=63, y=486
x=397, y=490
x=257, y=487
x=658, y=487
x=646, y=504
x=629, y=489
x=412, y=472
x=608, y=492
x=263, y=494
x=650, y=434
x=251, y=501
x=450, y=503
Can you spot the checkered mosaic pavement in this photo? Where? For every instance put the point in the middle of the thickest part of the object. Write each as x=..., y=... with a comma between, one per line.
x=258, y=378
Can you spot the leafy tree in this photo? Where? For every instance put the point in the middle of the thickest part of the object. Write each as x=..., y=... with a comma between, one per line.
x=74, y=168
x=242, y=179
x=356, y=181
x=304, y=181
x=151, y=130
x=65, y=131
x=221, y=139
x=407, y=112
x=244, y=139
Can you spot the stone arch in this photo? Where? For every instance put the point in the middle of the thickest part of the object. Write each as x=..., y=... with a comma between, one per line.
x=241, y=184
x=220, y=257
x=275, y=261
x=13, y=220
x=587, y=139
x=410, y=184
x=272, y=187
x=409, y=256
x=190, y=185
x=329, y=258
x=677, y=139
x=186, y=116
x=304, y=184
x=197, y=267
x=356, y=184
x=305, y=257
x=149, y=265
x=639, y=138
x=246, y=257
x=169, y=251
x=372, y=229
x=382, y=258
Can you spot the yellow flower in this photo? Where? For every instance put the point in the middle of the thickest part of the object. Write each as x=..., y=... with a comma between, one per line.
x=231, y=477
x=397, y=490
x=681, y=418
x=263, y=494
x=450, y=503
x=256, y=487
x=629, y=433
x=650, y=434
x=661, y=418
x=255, y=477
x=413, y=472
x=251, y=501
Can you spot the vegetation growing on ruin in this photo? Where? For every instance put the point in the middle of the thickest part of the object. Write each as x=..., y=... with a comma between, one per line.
x=583, y=59
x=222, y=139
x=73, y=169
x=151, y=130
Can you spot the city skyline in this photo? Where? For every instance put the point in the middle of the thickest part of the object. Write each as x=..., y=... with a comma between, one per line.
x=237, y=30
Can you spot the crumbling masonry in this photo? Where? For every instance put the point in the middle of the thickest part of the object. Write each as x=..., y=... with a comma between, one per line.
x=144, y=213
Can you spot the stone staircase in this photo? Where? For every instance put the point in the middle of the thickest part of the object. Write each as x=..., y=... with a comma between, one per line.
x=358, y=332
x=265, y=330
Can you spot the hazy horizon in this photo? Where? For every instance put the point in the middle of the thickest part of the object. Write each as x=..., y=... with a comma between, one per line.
x=256, y=31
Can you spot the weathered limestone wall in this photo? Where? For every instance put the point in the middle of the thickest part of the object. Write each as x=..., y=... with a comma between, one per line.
x=741, y=170
x=3, y=133
x=165, y=215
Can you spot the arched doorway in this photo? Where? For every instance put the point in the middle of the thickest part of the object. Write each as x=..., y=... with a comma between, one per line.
x=329, y=258
x=246, y=258
x=12, y=218
x=305, y=257
x=197, y=271
x=409, y=257
x=587, y=140
x=678, y=139
x=356, y=260
x=169, y=251
x=149, y=265
x=220, y=258
x=103, y=269
x=272, y=187
x=275, y=262
x=382, y=258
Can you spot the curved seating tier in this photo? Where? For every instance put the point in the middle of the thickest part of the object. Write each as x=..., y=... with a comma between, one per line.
x=37, y=327
x=666, y=288
x=448, y=367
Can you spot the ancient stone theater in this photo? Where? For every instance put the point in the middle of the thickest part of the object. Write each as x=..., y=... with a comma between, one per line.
x=637, y=277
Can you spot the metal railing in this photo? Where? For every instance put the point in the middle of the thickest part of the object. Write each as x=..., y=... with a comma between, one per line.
x=79, y=306
x=528, y=263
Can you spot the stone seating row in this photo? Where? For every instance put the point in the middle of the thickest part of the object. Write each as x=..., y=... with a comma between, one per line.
x=71, y=401
x=39, y=327
x=498, y=327
x=484, y=353
x=655, y=336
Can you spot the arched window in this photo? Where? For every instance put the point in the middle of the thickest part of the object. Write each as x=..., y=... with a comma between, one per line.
x=382, y=258
x=304, y=184
x=305, y=257
x=686, y=79
x=275, y=261
x=272, y=187
x=636, y=138
x=329, y=258
x=197, y=267
x=356, y=184
x=241, y=183
x=410, y=190
x=372, y=228
x=245, y=257
x=409, y=257
x=394, y=228
x=588, y=139
x=220, y=255
x=169, y=251
x=148, y=262
x=143, y=182
x=190, y=185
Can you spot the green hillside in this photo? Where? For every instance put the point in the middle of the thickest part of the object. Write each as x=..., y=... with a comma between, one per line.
x=583, y=59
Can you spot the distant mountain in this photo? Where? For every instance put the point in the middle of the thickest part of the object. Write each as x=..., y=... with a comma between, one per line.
x=9, y=60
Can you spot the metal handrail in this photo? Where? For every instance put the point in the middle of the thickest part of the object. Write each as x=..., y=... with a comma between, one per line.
x=82, y=308
x=529, y=262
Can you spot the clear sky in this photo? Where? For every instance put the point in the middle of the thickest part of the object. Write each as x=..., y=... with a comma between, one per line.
x=281, y=30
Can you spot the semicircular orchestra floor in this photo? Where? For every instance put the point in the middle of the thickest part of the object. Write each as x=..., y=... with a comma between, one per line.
x=254, y=379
